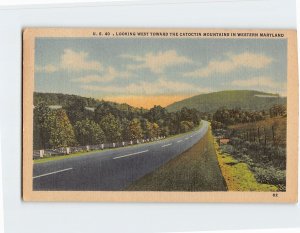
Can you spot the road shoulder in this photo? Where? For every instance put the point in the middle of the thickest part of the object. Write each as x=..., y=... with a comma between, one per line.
x=196, y=169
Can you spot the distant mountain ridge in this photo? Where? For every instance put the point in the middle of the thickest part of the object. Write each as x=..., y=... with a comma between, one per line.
x=244, y=99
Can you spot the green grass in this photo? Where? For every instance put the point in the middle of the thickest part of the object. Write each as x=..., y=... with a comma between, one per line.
x=238, y=176
x=194, y=170
x=60, y=157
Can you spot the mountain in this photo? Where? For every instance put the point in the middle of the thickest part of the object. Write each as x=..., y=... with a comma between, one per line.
x=244, y=99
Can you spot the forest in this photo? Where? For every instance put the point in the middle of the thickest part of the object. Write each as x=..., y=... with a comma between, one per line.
x=224, y=116
x=81, y=121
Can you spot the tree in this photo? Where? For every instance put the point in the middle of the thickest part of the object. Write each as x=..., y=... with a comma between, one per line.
x=41, y=121
x=102, y=110
x=111, y=127
x=186, y=126
x=76, y=109
x=148, y=129
x=125, y=129
x=88, y=132
x=156, y=130
x=151, y=130
x=156, y=113
x=136, y=131
x=165, y=131
x=61, y=131
x=277, y=110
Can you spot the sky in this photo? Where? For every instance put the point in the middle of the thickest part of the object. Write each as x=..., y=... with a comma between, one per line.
x=144, y=72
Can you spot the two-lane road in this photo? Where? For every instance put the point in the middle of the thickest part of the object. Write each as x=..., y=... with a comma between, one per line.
x=112, y=169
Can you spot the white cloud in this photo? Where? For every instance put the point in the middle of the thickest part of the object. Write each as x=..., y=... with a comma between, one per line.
x=107, y=76
x=47, y=68
x=232, y=62
x=162, y=86
x=78, y=61
x=261, y=83
x=156, y=62
x=72, y=61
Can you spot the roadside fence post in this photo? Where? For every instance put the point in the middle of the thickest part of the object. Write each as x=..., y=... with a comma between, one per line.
x=42, y=152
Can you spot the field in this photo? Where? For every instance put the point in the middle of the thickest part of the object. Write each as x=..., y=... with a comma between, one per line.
x=271, y=129
x=259, y=145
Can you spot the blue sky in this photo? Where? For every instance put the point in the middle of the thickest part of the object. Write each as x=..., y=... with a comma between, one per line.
x=123, y=69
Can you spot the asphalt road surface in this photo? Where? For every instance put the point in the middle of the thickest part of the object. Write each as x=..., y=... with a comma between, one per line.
x=111, y=169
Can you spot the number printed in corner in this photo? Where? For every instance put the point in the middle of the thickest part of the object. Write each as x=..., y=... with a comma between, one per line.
x=275, y=195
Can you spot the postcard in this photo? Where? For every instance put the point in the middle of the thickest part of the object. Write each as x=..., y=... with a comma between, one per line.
x=160, y=115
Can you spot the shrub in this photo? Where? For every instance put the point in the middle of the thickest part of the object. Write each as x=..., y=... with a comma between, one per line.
x=246, y=159
x=270, y=175
x=227, y=149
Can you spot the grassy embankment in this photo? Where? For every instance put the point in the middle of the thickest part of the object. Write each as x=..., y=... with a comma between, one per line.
x=238, y=176
x=60, y=157
x=194, y=170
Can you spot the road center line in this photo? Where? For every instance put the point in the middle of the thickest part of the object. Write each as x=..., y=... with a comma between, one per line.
x=122, y=156
x=51, y=173
x=167, y=145
x=179, y=141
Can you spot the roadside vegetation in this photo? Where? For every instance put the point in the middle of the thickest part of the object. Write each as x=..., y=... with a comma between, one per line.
x=194, y=170
x=254, y=141
x=237, y=174
x=81, y=121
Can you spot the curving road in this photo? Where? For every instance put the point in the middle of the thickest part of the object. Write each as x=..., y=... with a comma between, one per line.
x=112, y=169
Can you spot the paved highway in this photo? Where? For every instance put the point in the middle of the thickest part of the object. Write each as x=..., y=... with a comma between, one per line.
x=111, y=169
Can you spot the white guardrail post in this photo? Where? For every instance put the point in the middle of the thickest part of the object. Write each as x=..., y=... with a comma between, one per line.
x=42, y=152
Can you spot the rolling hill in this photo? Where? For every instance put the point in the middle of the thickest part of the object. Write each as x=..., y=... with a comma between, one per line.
x=59, y=99
x=244, y=99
